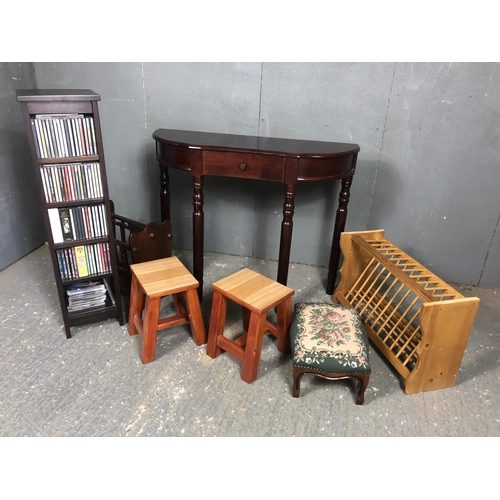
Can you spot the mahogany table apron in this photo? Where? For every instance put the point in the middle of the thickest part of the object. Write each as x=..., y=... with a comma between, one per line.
x=272, y=159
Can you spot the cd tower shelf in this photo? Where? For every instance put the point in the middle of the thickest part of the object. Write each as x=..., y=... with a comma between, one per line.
x=64, y=136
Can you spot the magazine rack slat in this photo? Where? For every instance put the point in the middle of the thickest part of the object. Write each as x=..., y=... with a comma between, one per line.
x=416, y=320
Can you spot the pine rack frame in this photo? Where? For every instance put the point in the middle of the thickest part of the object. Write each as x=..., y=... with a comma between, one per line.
x=415, y=319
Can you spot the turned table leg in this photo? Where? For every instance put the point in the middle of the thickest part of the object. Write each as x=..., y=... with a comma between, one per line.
x=164, y=194
x=340, y=220
x=286, y=234
x=198, y=232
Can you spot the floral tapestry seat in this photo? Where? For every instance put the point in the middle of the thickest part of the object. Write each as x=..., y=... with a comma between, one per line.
x=329, y=341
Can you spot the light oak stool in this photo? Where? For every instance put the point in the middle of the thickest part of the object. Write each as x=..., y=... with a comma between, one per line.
x=257, y=295
x=151, y=281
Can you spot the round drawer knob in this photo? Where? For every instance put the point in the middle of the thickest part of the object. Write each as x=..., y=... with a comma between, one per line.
x=243, y=166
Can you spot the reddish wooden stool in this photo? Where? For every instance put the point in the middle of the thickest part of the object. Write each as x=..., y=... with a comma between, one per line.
x=257, y=295
x=151, y=281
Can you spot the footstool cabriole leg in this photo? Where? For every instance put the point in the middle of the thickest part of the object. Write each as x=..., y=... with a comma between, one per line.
x=256, y=330
x=150, y=329
x=195, y=317
x=284, y=319
x=217, y=321
x=136, y=304
x=362, y=385
x=297, y=377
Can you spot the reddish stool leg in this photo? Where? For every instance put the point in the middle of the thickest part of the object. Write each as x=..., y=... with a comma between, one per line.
x=136, y=304
x=195, y=317
x=150, y=329
x=217, y=321
x=284, y=319
x=180, y=304
x=253, y=348
x=245, y=316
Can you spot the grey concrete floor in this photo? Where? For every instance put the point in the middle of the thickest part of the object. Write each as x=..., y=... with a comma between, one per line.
x=94, y=384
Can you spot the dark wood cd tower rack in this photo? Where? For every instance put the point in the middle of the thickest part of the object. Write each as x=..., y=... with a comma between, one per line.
x=102, y=265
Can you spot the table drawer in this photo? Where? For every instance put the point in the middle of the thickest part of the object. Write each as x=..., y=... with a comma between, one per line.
x=244, y=165
x=324, y=169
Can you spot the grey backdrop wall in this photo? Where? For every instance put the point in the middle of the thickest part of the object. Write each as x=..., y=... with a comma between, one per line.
x=428, y=171
x=21, y=223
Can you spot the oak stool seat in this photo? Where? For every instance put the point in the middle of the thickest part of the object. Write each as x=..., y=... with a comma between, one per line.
x=329, y=341
x=256, y=294
x=151, y=281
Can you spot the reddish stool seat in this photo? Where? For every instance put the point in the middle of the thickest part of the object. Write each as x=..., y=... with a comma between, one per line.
x=257, y=295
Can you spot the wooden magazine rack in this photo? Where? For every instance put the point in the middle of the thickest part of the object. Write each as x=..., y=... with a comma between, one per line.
x=416, y=320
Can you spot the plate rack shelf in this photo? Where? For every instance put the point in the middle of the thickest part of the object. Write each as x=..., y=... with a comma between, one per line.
x=416, y=320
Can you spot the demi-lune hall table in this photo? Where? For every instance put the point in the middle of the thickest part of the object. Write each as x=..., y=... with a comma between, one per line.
x=287, y=161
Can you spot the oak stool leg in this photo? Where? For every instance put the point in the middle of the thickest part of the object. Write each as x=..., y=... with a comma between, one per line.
x=284, y=319
x=136, y=304
x=253, y=348
x=245, y=318
x=217, y=321
x=150, y=329
x=180, y=304
x=195, y=317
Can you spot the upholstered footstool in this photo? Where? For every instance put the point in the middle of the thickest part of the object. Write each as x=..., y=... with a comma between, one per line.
x=329, y=341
